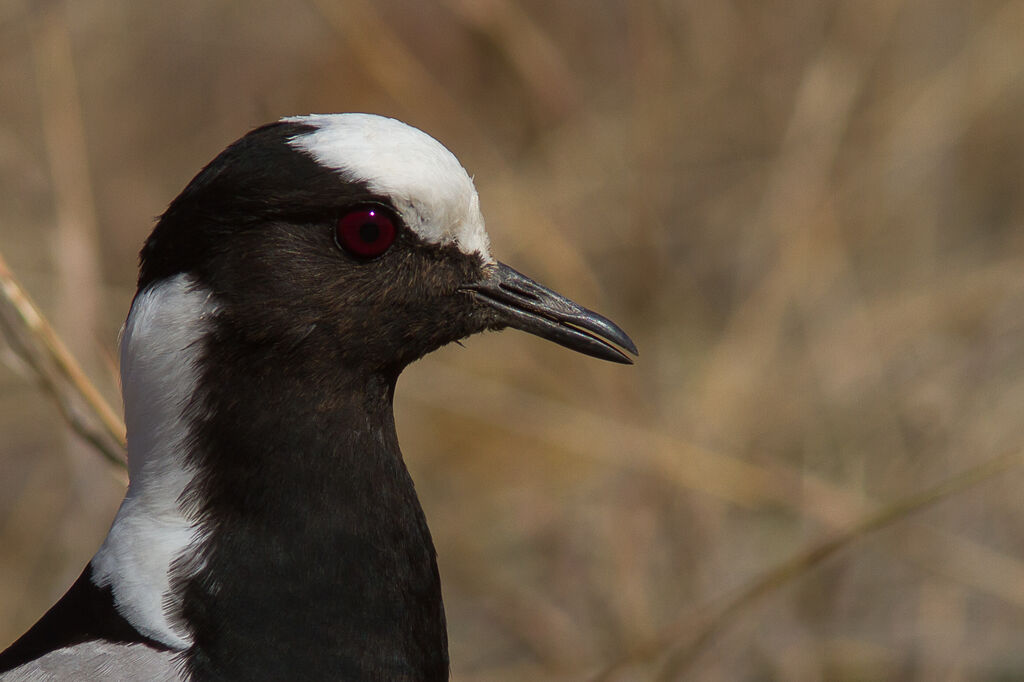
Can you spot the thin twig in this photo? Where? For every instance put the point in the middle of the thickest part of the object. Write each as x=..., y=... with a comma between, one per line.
x=97, y=438
x=41, y=332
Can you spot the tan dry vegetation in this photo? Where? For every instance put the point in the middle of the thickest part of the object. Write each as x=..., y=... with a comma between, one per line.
x=808, y=215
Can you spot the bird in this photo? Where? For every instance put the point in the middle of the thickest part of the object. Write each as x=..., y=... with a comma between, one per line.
x=270, y=528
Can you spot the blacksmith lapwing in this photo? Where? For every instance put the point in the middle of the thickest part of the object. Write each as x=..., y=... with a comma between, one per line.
x=270, y=529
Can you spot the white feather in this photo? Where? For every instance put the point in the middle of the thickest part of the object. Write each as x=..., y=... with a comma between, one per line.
x=99, y=660
x=425, y=182
x=159, y=351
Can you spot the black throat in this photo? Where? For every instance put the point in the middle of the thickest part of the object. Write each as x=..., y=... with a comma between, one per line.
x=317, y=562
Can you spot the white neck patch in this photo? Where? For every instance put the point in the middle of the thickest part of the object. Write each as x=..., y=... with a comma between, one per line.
x=425, y=182
x=159, y=350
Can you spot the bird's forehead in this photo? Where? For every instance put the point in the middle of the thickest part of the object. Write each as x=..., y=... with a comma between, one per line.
x=425, y=182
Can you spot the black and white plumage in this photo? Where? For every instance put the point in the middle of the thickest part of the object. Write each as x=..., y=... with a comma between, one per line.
x=270, y=529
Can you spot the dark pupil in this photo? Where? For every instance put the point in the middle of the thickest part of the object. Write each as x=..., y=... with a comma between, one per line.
x=369, y=232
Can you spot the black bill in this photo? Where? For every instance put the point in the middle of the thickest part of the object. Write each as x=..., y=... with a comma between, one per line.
x=526, y=305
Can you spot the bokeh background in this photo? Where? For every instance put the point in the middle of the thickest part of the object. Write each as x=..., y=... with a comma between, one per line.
x=808, y=213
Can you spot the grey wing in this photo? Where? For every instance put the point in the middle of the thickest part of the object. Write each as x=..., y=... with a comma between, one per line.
x=100, y=660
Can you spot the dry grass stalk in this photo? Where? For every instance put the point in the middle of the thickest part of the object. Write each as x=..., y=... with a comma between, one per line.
x=682, y=655
x=36, y=342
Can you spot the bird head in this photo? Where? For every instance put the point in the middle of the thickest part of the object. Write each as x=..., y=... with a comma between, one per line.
x=358, y=237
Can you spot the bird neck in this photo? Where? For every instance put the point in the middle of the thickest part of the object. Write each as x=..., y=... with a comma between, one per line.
x=316, y=553
x=271, y=529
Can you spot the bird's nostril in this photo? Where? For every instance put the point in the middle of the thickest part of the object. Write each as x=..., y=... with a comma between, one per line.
x=519, y=291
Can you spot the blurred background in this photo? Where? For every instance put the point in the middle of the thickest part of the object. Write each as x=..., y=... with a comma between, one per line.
x=808, y=214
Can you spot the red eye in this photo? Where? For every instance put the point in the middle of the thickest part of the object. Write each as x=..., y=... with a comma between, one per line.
x=366, y=232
